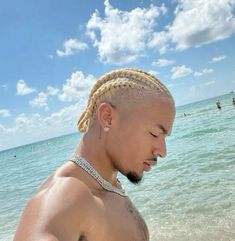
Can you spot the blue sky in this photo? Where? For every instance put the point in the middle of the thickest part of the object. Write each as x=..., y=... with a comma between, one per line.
x=52, y=52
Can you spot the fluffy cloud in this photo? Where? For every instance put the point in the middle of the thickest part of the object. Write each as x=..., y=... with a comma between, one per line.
x=40, y=101
x=23, y=89
x=180, y=71
x=122, y=36
x=76, y=87
x=160, y=40
x=201, y=22
x=163, y=62
x=153, y=72
x=52, y=91
x=31, y=128
x=218, y=58
x=67, y=116
x=203, y=72
x=71, y=47
x=64, y=119
x=5, y=113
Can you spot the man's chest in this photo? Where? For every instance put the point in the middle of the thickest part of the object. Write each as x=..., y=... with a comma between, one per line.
x=119, y=220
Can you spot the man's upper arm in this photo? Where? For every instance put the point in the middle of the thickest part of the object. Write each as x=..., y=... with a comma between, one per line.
x=56, y=213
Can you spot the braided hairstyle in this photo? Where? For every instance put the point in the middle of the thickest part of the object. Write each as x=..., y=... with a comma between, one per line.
x=109, y=85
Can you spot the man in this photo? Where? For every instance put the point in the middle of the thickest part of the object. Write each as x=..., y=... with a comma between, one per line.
x=128, y=115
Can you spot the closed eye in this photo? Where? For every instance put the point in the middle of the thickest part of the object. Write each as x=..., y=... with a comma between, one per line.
x=155, y=136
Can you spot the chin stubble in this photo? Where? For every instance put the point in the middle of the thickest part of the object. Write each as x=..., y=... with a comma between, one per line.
x=133, y=177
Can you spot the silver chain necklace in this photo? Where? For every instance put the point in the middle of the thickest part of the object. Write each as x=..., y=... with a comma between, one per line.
x=86, y=166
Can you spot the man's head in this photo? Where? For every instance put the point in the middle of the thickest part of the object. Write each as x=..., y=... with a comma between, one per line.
x=134, y=112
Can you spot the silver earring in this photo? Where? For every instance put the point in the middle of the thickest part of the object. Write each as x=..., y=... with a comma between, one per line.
x=106, y=129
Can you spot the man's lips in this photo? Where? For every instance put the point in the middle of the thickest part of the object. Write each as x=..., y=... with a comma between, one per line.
x=148, y=163
x=151, y=161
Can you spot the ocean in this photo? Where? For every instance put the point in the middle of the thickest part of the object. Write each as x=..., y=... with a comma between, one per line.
x=189, y=195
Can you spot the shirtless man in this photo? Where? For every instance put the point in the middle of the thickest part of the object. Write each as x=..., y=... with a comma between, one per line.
x=128, y=115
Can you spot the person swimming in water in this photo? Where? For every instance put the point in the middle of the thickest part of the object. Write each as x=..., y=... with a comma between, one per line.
x=218, y=104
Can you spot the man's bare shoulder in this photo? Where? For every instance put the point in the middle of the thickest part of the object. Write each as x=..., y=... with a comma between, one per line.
x=62, y=203
x=66, y=191
x=67, y=195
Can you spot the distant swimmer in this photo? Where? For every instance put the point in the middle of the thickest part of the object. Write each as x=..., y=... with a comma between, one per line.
x=186, y=114
x=218, y=104
x=233, y=101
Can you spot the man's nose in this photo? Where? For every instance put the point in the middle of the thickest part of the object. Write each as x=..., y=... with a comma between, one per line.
x=160, y=149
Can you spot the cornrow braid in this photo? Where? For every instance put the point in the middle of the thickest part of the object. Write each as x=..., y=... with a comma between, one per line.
x=109, y=87
x=130, y=73
x=113, y=81
x=156, y=81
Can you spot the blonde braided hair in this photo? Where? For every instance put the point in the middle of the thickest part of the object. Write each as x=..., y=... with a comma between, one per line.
x=114, y=81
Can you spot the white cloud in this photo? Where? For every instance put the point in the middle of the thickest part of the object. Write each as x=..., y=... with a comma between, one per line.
x=71, y=47
x=153, y=72
x=76, y=87
x=218, y=58
x=122, y=36
x=5, y=113
x=163, y=62
x=23, y=89
x=180, y=71
x=161, y=41
x=210, y=82
x=170, y=85
x=2, y=128
x=63, y=121
x=52, y=91
x=203, y=72
x=201, y=22
x=65, y=116
x=21, y=122
x=199, y=92
x=40, y=101
x=32, y=128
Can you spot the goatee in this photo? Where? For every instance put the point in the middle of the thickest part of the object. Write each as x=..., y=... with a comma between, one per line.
x=133, y=177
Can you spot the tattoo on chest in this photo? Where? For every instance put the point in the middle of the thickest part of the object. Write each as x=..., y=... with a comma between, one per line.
x=144, y=235
x=82, y=238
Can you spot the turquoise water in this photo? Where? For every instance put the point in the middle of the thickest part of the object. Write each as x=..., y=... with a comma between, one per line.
x=190, y=195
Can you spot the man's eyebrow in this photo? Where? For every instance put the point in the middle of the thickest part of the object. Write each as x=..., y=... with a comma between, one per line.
x=161, y=127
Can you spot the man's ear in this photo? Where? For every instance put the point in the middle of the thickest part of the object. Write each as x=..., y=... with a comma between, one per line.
x=105, y=114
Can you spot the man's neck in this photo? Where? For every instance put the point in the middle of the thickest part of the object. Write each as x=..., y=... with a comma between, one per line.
x=91, y=148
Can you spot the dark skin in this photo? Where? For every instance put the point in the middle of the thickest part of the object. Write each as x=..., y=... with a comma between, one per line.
x=72, y=206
